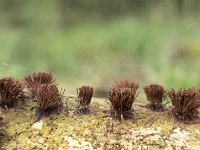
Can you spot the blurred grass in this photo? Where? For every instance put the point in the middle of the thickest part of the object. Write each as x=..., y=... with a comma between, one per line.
x=98, y=53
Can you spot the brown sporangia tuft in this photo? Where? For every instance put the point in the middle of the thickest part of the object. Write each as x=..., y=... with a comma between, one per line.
x=121, y=96
x=127, y=84
x=1, y=121
x=185, y=103
x=11, y=92
x=155, y=94
x=85, y=94
x=194, y=89
x=49, y=100
x=36, y=79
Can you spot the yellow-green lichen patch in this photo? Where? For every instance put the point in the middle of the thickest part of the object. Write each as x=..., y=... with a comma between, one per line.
x=147, y=130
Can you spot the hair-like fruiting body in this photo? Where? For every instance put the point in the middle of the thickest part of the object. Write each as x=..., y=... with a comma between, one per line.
x=131, y=84
x=85, y=94
x=1, y=120
x=36, y=79
x=49, y=100
x=185, y=103
x=11, y=92
x=155, y=94
x=121, y=96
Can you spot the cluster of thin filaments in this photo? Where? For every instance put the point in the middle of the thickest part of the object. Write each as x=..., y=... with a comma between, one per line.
x=48, y=95
x=155, y=94
x=36, y=79
x=11, y=92
x=121, y=96
x=85, y=94
x=49, y=100
x=185, y=103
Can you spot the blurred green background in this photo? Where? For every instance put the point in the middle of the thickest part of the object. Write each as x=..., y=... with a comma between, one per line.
x=97, y=42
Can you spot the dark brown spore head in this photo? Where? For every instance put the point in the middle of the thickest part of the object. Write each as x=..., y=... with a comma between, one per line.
x=185, y=103
x=1, y=121
x=11, y=92
x=155, y=94
x=194, y=89
x=37, y=78
x=85, y=94
x=121, y=96
x=127, y=84
x=49, y=100
x=48, y=95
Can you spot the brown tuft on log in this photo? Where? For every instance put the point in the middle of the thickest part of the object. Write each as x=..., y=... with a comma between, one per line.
x=185, y=103
x=85, y=94
x=127, y=84
x=121, y=96
x=11, y=92
x=1, y=121
x=155, y=94
x=48, y=95
x=36, y=79
x=49, y=100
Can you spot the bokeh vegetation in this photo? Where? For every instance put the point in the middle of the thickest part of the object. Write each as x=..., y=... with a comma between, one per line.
x=98, y=42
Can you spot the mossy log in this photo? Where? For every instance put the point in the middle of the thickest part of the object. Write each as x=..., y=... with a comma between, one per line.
x=146, y=130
